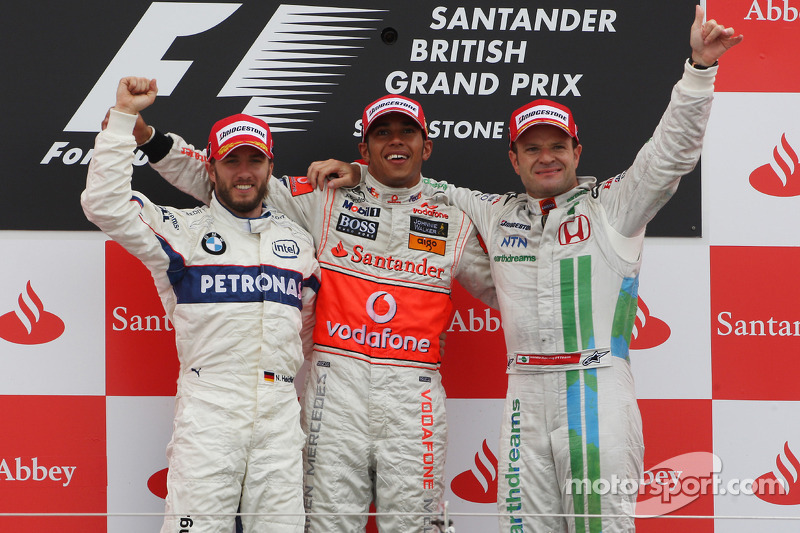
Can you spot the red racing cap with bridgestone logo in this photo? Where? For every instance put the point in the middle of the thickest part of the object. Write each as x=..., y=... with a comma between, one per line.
x=238, y=130
x=393, y=103
x=542, y=112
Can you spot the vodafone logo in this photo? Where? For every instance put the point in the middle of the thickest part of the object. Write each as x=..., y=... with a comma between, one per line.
x=478, y=484
x=30, y=323
x=781, y=177
x=648, y=331
x=783, y=489
x=381, y=307
x=389, y=307
x=429, y=210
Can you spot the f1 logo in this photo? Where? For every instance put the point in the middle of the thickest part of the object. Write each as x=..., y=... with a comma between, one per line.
x=293, y=31
x=576, y=230
x=142, y=52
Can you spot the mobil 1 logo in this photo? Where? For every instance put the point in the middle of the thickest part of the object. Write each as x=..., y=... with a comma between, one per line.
x=367, y=229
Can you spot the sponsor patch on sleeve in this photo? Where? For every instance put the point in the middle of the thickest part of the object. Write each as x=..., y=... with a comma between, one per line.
x=299, y=185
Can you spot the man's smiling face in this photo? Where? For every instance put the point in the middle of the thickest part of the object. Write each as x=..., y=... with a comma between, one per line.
x=394, y=150
x=546, y=158
x=240, y=180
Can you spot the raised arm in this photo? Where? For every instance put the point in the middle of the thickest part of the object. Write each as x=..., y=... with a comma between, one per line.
x=107, y=197
x=710, y=40
x=108, y=201
x=634, y=197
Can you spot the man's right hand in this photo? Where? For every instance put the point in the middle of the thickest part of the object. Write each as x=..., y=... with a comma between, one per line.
x=135, y=94
x=333, y=174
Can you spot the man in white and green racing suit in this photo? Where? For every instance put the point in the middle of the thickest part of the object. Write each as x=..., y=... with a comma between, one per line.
x=565, y=258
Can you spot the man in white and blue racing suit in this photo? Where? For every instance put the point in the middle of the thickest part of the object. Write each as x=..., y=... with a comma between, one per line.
x=238, y=280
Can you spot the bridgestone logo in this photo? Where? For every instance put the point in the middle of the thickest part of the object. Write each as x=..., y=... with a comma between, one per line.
x=241, y=128
x=516, y=225
x=542, y=111
x=383, y=104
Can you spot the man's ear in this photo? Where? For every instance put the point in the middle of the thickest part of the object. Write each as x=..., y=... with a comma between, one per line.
x=363, y=149
x=212, y=172
x=512, y=156
x=427, y=149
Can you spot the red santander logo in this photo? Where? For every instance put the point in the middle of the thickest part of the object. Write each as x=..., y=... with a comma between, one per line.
x=29, y=323
x=784, y=490
x=478, y=484
x=648, y=331
x=157, y=483
x=338, y=250
x=782, y=178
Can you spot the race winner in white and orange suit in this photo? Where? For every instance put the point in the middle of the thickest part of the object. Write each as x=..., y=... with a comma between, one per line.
x=373, y=404
x=239, y=291
x=565, y=259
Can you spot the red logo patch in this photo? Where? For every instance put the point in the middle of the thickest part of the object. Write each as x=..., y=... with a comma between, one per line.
x=784, y=183
x=784, y=490
x=300, y=185
x=480, y=488
x=30, y=323
x=574, y=231
x=648, y=331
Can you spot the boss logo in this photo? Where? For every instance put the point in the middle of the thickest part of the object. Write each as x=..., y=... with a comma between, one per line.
x=359, y=227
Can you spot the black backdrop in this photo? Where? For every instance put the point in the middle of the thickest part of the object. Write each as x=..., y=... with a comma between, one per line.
x=616, y=82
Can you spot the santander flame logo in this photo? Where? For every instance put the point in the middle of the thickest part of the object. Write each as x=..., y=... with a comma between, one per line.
x=783, y=490
x=157, y=483
x=478, y=484
x=768, y=180
x=338, y=250
x=29, y=323
x=648, y=331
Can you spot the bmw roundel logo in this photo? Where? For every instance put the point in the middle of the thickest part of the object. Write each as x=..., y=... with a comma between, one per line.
x=214, y=244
